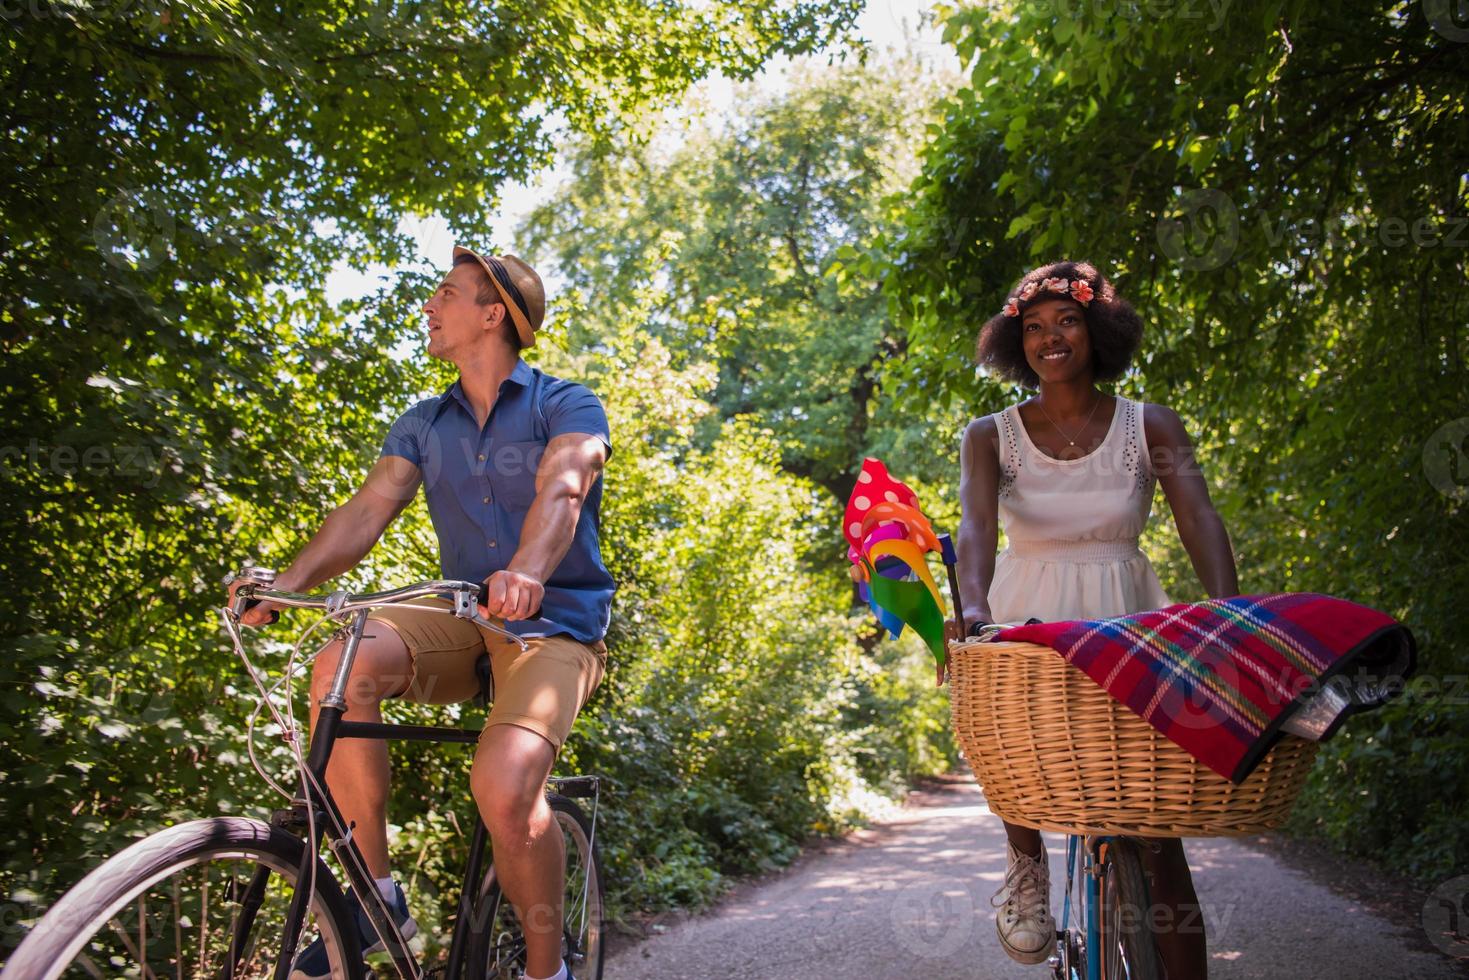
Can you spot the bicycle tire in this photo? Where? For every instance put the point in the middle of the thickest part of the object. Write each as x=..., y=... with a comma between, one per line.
x=497, y=945
x=1128, y=950
x=84, y=923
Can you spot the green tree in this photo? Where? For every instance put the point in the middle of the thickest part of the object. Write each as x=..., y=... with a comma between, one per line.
x=1280, y=190
x=741, y=714
x=704, y=299
x=730, y=241
x=180, y=393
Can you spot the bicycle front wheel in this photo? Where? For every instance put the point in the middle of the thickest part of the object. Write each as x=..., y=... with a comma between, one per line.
x=208, y=898
x=1127, y=952
x=499, y=942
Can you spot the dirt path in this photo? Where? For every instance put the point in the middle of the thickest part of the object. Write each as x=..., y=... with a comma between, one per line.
x=910, y=898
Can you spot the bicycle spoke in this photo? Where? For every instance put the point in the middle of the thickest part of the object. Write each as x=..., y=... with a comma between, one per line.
x=126, y=940
x=503, y=948
x=85, y=962
x=184, y=926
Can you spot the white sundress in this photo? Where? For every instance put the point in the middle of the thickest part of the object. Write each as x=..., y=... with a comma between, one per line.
x=1072, y=526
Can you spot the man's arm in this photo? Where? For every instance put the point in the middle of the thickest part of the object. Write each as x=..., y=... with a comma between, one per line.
x=570, y=466
x=348, y=533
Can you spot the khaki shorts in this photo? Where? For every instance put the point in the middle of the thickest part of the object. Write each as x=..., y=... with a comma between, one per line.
x=540, y=688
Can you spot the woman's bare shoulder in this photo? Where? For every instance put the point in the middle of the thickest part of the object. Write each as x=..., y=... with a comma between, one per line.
x=983, y=432
x=1162, y=426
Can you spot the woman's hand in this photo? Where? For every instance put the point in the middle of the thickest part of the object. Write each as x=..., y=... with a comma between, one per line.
x=953, y=633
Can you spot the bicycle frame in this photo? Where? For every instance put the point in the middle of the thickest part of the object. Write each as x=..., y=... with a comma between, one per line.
x=307, y=814
x=1083, y=856
x=1086, y=856
x=331, y=726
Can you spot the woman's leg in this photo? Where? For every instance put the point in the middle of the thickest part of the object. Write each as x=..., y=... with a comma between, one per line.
x=1024, y=923
x=1026, y=840
x=1176, y=914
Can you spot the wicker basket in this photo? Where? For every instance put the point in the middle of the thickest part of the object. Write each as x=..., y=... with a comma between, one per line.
x=1053, y=751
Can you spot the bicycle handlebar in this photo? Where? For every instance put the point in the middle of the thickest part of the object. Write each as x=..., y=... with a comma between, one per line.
x=466, y=599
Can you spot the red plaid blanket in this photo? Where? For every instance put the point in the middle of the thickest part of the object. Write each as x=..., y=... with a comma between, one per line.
x=1220, y=678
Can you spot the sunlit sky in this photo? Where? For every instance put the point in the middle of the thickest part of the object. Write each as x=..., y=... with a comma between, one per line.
x=884, y=23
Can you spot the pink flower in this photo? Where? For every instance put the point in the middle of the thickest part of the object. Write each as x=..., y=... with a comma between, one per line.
x=1081, y=290
x=1011, y=307
x=1054, y=285
x=1027, y=291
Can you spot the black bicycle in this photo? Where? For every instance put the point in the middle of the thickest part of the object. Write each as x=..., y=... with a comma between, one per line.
x=236, y=897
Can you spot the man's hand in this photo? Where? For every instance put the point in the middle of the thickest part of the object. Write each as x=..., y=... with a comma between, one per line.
x=512, y=595
x=260, y=614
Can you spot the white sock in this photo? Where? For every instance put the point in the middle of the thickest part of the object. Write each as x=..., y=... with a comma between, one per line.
x=558, y=975
x=385, y=889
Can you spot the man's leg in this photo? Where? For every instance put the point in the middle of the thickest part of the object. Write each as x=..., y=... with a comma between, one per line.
x=511, y=766
x=358, y=772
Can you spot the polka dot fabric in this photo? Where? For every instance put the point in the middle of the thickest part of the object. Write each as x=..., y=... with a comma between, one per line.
x=874, y=486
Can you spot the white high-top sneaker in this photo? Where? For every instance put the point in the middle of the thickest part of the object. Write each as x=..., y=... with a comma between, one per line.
x=1024, y=921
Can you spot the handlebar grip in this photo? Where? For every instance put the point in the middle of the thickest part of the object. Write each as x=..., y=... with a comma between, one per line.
x=252, y=603
x=484, y=591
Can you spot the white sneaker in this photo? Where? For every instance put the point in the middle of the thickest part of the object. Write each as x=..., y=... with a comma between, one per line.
x=1024, y=921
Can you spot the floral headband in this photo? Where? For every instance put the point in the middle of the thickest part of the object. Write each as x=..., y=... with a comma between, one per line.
x=1078, y=289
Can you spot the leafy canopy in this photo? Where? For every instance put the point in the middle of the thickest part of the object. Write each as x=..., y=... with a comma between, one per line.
x=1279, y=188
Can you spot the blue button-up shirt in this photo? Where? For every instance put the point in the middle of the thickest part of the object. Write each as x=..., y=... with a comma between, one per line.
x=480, y=482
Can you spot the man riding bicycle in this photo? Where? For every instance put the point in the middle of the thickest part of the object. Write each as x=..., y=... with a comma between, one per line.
x=510, y=461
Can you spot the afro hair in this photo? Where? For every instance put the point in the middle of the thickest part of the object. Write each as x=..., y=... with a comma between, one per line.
x=1113, y=326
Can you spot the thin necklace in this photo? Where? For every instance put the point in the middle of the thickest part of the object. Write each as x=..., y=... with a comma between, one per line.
x=1070, y=441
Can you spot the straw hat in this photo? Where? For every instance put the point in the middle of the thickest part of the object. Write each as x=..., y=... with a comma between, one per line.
x=519, y=288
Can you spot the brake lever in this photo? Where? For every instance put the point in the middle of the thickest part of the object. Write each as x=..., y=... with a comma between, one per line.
x=486, y=624
x=250, y=575
x=466, y=606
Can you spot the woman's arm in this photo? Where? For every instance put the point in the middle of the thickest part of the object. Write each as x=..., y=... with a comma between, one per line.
x=1199, y=526
x=979, y=498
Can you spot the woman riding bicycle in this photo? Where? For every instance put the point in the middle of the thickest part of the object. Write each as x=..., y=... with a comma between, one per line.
x=1069, y=474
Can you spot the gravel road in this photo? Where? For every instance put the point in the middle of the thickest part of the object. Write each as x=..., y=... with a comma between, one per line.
x=909, y=898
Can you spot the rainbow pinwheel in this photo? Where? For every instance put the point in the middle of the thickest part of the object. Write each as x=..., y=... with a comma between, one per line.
x=888, y=537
